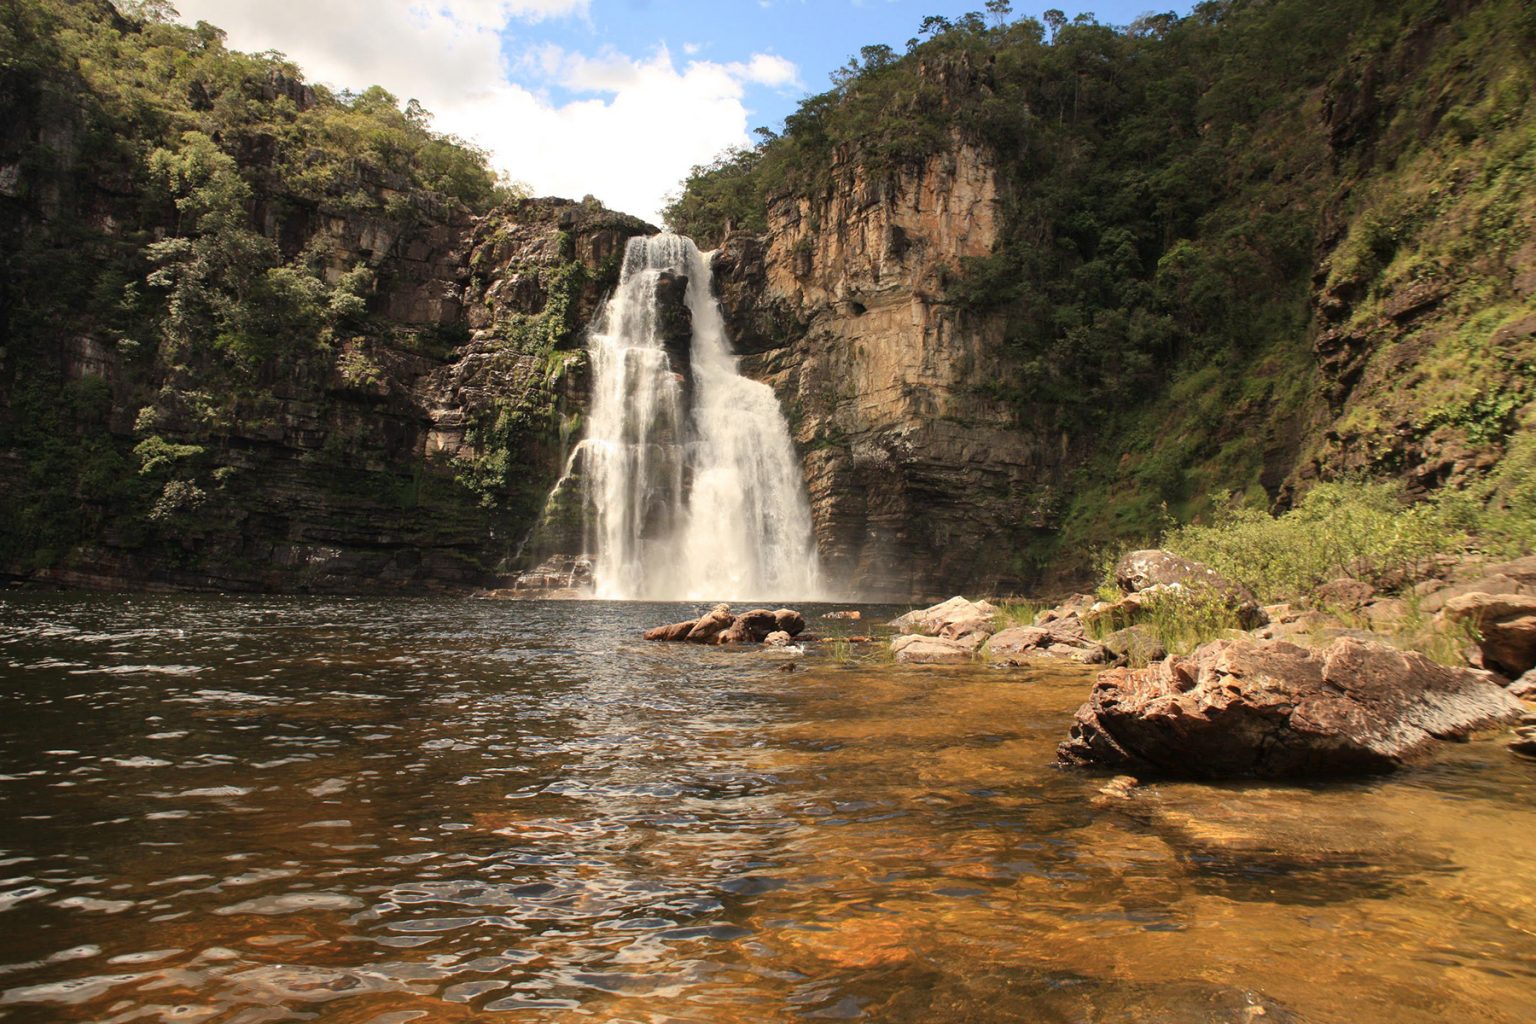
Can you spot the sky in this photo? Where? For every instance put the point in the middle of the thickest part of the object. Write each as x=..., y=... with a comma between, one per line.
x=611, y=98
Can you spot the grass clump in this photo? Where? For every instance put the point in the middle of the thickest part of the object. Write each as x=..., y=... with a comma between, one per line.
x=1180, y=619
x=1011, y=612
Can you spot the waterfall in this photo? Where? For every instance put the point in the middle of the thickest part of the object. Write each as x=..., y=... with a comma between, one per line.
x=692, y=487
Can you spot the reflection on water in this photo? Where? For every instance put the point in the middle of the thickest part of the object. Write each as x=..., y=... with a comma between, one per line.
x=391, y=811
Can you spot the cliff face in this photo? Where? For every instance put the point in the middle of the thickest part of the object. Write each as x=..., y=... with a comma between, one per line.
x=921, y=479
x=393, y=459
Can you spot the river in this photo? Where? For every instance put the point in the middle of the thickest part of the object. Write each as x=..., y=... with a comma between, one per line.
x=317, y=809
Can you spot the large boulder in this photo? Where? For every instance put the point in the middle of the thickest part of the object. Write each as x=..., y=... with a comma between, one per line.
x=1153, y=568
x=749, y=628
x=710, y=626
x=952, y=619
x=1506, y=624
x=917, y=649
x=1060, y=638
x=1269, y=709
x=792, y=622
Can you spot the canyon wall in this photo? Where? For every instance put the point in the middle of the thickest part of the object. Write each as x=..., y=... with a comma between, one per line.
x=921, y=479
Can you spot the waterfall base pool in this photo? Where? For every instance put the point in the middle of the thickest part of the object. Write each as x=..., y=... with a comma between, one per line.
x=384, y=811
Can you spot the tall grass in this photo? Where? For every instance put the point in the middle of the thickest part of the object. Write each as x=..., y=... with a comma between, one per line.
x=1014, y=612
x=1181, y=620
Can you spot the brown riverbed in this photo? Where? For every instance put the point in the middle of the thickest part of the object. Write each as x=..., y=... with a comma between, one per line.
x=248, y=810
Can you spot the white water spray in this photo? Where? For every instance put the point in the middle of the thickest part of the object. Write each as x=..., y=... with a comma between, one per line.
x=700, y=505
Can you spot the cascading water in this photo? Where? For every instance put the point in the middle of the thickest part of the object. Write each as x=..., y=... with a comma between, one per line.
x=693, y=490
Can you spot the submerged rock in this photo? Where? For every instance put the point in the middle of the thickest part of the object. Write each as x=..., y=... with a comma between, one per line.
x=914, y=648
x=1270, y=709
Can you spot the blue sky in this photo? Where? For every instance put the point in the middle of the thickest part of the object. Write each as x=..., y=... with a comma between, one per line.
x=613, y=98
x=815, y=36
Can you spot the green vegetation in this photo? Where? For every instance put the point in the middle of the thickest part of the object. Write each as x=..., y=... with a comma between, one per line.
x=1187, y=203
x=1359, y=531
x=1178, y=620
x=174, y=255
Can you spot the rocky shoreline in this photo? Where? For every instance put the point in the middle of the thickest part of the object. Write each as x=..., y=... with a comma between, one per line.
x=1345, y=681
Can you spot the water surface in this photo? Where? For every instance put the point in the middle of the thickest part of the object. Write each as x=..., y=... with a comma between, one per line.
x=250, y=810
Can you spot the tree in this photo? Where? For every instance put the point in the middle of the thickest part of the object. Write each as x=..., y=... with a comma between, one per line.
x=934, y=25
x=1054, y=20
x=999, y=9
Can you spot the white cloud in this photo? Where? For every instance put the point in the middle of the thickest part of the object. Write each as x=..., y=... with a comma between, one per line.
x=641, y=124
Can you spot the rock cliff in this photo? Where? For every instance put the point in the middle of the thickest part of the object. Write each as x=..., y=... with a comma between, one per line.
x=921, y=478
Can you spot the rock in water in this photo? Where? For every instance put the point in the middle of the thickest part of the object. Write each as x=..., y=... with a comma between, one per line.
x=952, y=619
x=1270, y=709
x=712, y=625
x=931, y=650
x=789, y=621
x=749, y=628
x=678, y=631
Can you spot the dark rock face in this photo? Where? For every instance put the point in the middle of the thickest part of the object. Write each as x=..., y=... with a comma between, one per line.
x=353, y=472
x=1269, y=709
x=674, y=323
x=921, y=480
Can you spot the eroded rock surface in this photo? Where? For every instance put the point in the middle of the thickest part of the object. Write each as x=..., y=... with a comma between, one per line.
x=721, y=626
x=1255, y=708
x=1062, y=638
x=1505, y=625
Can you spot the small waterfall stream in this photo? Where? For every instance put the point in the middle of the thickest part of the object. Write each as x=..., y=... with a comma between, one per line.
x=692, y=486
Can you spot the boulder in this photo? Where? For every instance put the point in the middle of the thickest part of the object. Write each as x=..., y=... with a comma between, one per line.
x=851, y=616
x=1144, y=570
x=778, y=638
x=918, y=649
x=674, y=633
x=1507, y=625
x=1525, y=686
x=1517, y=577
x=951, y=619
x=1270, y=709
x=749, y=627
x=710, y=626
x=792, y=622
x=1343, y=594
x=1061, y=638
x=1075, y=605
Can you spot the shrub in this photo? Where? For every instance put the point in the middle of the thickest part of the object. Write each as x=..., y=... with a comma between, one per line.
x=1358, y=530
